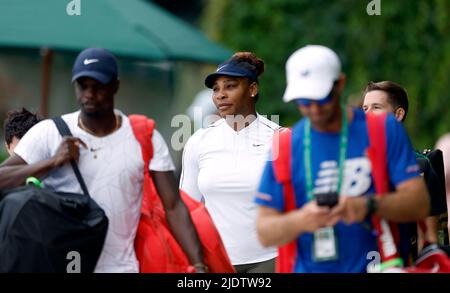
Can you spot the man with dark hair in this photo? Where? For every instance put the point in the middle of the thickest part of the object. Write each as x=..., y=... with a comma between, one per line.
x=386, y=96
x=110, y=160
x=16, y=124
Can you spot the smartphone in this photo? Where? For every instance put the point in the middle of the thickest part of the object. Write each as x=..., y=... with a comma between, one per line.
x=329, y=199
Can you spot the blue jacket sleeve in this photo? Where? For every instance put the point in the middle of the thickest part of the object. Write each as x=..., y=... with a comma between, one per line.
x=270, y=192
x=402, y=164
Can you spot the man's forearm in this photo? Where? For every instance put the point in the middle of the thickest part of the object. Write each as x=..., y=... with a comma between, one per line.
x=405, y=205
x=13, y=176
x=184, y=231
x=278, y=229
x=178, y=216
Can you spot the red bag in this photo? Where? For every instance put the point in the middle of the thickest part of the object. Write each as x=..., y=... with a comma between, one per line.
x=282, y=140
x=156, y=247
x=432, y=258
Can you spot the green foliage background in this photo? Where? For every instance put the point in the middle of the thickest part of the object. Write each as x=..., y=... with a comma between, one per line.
x=408, y=43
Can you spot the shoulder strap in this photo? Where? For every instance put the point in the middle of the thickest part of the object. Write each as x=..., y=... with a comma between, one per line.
x=387, y=233
x=282, y=153
x=377, y=152
x=281, y=149
x=65, y=131
x=143, y=131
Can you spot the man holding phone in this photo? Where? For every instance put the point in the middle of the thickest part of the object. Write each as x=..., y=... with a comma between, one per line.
x=331, y=174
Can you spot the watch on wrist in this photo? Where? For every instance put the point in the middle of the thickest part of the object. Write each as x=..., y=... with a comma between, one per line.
x=372, y=206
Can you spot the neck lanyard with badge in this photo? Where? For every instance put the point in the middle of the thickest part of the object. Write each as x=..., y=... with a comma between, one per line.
x=325, y=242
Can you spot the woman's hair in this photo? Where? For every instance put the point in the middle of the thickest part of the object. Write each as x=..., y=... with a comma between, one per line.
x=251, y=62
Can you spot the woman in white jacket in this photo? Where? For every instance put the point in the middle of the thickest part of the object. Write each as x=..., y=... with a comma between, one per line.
x=222, y=163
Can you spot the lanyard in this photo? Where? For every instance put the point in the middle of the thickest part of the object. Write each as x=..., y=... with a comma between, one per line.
x=307, y=154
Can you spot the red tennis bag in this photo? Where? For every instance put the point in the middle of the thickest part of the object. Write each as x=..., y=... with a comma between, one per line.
x=156, y=247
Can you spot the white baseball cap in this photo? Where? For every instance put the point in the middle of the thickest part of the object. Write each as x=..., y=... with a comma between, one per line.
x=311, y=72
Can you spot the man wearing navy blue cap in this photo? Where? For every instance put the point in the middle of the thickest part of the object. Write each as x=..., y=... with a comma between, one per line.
x=96, y=63
x=109, y=158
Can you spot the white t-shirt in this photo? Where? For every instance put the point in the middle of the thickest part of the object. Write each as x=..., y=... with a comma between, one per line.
x=224, y=168
x=112, y=168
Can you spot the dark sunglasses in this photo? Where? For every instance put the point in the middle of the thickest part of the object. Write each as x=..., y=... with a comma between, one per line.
x=308, y=102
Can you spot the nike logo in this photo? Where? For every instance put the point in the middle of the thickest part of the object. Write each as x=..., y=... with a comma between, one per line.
x=220, y=67
x=305, y=73
x=257, y=145
x=89, y=61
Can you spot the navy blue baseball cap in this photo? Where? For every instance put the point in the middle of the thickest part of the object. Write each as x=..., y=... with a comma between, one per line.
x=96, y=63
x=230, y=68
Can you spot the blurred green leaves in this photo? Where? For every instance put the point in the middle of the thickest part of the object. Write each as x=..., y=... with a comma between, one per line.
x=408, y=43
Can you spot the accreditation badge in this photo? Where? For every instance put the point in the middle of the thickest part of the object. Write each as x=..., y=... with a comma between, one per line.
x=325, y=245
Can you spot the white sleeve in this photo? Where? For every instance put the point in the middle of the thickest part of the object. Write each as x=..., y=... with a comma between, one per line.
x=189, y=172
x=161, y=160
x=34, y=145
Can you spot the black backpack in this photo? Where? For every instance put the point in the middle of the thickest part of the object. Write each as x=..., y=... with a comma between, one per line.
x=45, y=231
x=431, y=164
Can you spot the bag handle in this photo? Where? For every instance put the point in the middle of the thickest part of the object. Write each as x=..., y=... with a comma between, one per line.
x=65, y=131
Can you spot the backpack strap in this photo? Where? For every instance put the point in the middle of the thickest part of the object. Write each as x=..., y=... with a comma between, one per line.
x=387, y=233
x=282, y=153
x=64, y=130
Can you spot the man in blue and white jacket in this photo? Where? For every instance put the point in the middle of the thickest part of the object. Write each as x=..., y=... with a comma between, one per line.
x=329, y=158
